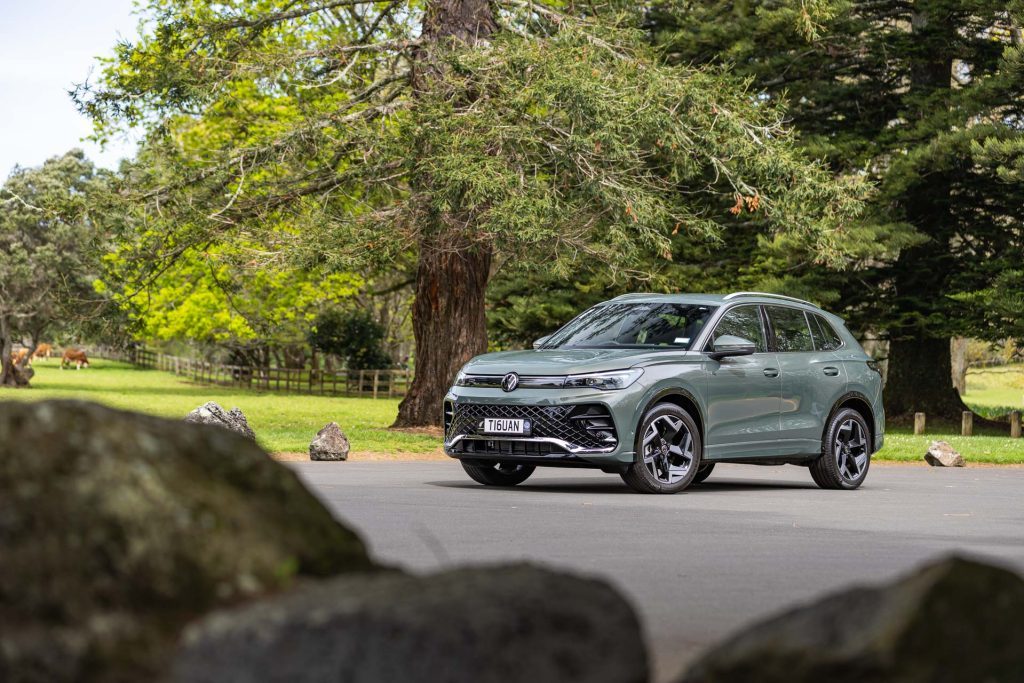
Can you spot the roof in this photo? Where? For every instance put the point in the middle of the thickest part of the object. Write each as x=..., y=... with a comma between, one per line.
x=714, y=299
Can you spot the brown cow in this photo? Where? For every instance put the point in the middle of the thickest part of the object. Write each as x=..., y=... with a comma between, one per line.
x=74, y=356
x=18, y=357
x=43, y=351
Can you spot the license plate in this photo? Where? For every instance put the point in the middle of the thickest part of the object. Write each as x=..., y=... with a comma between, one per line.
x=495, y=425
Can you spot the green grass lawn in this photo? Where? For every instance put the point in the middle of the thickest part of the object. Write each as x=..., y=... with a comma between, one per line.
x=282, y=422
x=991, y=392
x=287, y=422
x=995, y=391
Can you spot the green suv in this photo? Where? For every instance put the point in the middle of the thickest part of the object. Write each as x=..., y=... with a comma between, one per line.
x=659, y=388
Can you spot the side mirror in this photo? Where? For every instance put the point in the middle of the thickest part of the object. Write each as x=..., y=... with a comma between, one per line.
x=537, y=343
x=727, y=345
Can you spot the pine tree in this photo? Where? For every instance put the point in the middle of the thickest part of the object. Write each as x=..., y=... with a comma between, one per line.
x=925, y=99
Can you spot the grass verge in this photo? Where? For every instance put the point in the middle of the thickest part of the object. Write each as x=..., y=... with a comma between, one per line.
x=282, y=422
x=285, y=423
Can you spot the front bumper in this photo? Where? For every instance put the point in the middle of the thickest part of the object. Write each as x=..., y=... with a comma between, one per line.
x=581, y=429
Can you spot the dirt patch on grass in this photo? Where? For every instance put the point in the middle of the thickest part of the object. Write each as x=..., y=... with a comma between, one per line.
x=370, y=456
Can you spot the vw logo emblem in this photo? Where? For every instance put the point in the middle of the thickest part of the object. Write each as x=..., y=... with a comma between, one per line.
x=510, y=381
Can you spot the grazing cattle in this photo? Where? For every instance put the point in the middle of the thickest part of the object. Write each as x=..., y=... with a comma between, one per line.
x=74, y=356
x=43, y=351
x=19, y=356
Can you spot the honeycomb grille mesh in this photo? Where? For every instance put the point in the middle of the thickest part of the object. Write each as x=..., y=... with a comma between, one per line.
x=548, y=421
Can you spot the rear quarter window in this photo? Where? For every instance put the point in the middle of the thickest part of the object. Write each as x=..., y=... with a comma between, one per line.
x=825, y=336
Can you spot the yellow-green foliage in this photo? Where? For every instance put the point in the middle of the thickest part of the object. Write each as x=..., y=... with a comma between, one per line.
x=217, y=297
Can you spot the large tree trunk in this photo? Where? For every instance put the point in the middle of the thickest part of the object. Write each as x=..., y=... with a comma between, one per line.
x=448, y=324
x=6, y=366
x=448, y=319
x=958, y=357
x=12, y=374
x=920, y=379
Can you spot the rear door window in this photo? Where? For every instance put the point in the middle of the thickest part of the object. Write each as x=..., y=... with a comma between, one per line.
x=791, y=330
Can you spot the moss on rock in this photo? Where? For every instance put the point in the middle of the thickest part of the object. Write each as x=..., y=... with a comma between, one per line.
x=116, y=529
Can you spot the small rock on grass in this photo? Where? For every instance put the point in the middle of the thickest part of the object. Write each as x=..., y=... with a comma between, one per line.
x=212, y=413
x=330, y=443
x=941, y=454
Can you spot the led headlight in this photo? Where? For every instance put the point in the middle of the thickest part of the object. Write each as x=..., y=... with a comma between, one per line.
x=460, y=379
x=606, y=381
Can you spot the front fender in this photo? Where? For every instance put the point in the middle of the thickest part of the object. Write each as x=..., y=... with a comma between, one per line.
x=687, y=381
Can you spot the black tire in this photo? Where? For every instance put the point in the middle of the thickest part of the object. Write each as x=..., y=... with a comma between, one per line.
x=498, y=473
x=845, y=452
x=703, y=472
x=657, y=468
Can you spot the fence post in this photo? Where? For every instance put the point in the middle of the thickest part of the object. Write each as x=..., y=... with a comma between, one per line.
x=918, y=423
x=1014, y=424
x=967, y=423
x=376, y=379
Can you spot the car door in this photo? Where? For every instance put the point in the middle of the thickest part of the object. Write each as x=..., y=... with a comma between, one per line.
x=811, y=377
x=743, y=392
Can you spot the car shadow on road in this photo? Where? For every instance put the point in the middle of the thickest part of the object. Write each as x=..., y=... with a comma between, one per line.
x=591, y=486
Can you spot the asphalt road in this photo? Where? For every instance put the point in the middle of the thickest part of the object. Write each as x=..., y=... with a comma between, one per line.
x=750, y=541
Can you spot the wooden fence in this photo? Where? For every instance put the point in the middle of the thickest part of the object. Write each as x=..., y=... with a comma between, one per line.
x=369, y=383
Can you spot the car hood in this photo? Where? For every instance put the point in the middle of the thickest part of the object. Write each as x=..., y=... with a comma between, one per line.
x=571, y=361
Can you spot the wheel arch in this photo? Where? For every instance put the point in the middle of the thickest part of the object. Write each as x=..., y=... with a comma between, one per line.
x=860, y=403
x=685, y=400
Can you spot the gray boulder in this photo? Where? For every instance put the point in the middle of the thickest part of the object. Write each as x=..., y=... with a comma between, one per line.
x=516, y=624
x=116, y=529
x=941, y=454
x=212, y=414
x=330, y=443
x=955, y=620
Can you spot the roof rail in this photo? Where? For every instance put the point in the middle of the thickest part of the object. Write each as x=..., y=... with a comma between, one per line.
x=767, y=294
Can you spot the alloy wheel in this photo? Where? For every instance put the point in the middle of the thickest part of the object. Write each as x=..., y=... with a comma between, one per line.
x=850, y=449
x=668, y=449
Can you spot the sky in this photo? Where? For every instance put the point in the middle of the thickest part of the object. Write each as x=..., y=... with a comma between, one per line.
x=46, y=47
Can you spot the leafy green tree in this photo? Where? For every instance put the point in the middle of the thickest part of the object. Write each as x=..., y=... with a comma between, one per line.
x=475, y=133
x=49, y=247
x=219, y=298
x=925, y=99
x=354, y=336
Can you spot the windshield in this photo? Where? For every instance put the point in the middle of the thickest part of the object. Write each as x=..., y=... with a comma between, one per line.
x=633, y=325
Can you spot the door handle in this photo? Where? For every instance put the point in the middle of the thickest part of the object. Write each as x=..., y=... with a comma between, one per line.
x=830, y=371
x=771, y=372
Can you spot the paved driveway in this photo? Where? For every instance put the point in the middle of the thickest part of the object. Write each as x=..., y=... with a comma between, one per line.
x=698, y=565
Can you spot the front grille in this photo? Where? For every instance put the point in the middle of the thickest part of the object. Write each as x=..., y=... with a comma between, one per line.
x=583, y=426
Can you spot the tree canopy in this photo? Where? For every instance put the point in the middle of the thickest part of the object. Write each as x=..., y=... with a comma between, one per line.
x=49, y=254
x=476, y=135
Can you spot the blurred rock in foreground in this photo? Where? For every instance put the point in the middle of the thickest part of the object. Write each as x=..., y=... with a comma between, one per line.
x=116, y=529
x=514, y=624
x=952, y=621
